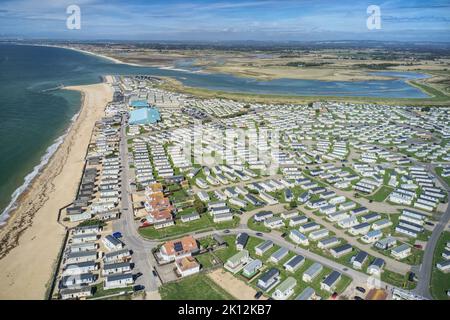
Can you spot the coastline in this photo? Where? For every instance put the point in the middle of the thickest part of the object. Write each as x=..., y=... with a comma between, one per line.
x=31, y=238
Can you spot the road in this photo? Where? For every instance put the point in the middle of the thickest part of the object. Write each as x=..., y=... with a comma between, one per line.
x=142, y=257
x=424, y=275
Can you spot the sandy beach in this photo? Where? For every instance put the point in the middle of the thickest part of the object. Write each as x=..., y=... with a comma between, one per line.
x=32, y=238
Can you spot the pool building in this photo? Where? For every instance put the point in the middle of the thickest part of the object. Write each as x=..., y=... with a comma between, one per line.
x=144, y=116
x=138, y=104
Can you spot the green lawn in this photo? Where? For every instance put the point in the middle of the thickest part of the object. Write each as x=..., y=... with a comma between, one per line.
x=440, y=281
x=100, y=291
x=196, y=287
x=206, y=260
x=398, y=280
x=381, y=194
x=257, y=226
x=204, y=223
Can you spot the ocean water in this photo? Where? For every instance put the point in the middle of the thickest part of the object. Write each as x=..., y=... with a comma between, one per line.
x=33, y=118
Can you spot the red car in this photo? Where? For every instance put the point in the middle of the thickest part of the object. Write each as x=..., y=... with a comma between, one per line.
x=334, y=295
x=418, y=246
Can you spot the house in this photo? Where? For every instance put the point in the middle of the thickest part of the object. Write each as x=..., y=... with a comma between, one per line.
x=312, y=272
x=116, y=256
x=361, y=228
x=112, y=268
x=76, y=293
x=406, y=231
x=83, y=238
x=263, y=247
x=203, y=196
x=79, y=268
x=238, y=261
x=289, y=214
x=381, y=224
x=339, y=251
x=319, y=234
x=359, y=259
x=370, y=217
x=81, y=256
x=348, y=222
x=95, y=229
x=263, y=215
x=79, y=280
x=298, y=237
x=112, y=243
x=274, y=222
x=372, y=236
x=401, y=252
x=297, y=220
x=330, y=282
x=88, y=246
x=376, y=266
x=118, y=280
x=221, y=217
x=241, y=241
x=176, y=249
x=446, y=254
x=269, y=279
x=278, y=255
x=443, y=266
x=190, y=217
x=386, y=243
x=307, y=294
x=252, y=268
x=310, y=226
x=187, y=266
x=285, y=289
x=328, y=243
x=294, y=263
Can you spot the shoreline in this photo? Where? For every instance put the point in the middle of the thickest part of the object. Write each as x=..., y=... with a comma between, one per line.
x=31, y=238
x=19, y=192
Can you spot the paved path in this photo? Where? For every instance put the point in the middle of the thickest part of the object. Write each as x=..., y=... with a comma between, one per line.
x=142, y=257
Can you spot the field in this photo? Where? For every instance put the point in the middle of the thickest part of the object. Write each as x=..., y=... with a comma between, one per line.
x=196, y=287
x=204, y=223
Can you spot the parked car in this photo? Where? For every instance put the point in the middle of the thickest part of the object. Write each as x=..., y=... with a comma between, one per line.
x=138, y=287
x=361, y=289
x=334, y=295
x=358, y=298
x=226, y=231
x=259, y=234
x=258, y=294
x=155, y=274
x=428, y=223
x=412, y=276
x=418, y=246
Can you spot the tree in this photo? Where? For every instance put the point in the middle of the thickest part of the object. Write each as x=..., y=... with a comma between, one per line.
x=199, y=206
x=293, y=204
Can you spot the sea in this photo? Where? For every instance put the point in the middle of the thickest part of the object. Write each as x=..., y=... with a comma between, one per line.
x=35, y=113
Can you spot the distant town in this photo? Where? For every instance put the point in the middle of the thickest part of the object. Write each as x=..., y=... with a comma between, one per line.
x=184, y=197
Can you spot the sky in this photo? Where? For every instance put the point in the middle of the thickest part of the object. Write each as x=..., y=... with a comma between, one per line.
x=202, y=20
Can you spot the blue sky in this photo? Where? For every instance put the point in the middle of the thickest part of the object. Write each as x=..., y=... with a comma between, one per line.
x=302, y=20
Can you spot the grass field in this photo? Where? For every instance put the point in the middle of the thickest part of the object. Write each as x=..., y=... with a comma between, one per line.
x=381, y=194
x=196, y=287
x=440, y=281
x=204, y=223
